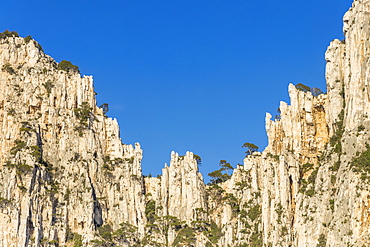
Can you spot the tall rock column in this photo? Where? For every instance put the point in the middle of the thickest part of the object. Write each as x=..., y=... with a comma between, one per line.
x=182, y=188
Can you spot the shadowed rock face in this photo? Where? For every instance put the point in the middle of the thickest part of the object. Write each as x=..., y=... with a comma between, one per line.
x=67, y=178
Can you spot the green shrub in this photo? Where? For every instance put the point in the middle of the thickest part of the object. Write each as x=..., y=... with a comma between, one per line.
x=19, y=145
x=215, y=192
x=314, y=90
x=256, y=240
x=310, y=192
x=48, y=86
x=361, y=163
x=22, y=188
x=336, y=166
x=54, y=187
x=185, y=237
x=18, y=90
x=27, y=39
x=233, y=202
x=198, y=159
x=254, y=212
x=310, y=180
x=106, y=232
x=251, y=148
x=8, y=68
x=150, y=211
x=8, y=33
x=105, y=108
x=333, y=179
x=68, y=66
x=335, y=140
x=130, y=160
x=36, y=152
x=302, y=87
x=82, y=113
x=306, y=167
x=67, y=194
x=332, y=202
x=38, y=46
x=108, y=167
x=243, y=184
x=321, y=240
x=54, y=241
x=4, y=202
x=279, y=210
x=214, y=233
x=303, y=185
x=275, y=157
x=11, y=112
x=23, y=168
x=222, y=174
x=125, y=231
x=360, y=128
x=77, y=239
x=26, y=129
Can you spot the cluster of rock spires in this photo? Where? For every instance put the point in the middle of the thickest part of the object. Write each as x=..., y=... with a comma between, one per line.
x=66, y=179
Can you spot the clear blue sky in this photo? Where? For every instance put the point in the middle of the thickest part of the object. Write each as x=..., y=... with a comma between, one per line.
x=187, y=75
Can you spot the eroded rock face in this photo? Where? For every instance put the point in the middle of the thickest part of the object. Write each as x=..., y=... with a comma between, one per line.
x=64, y=169
x=179, y=196
x=67, y=178
x=182, y=188
x=302, y=126
x=319, y=179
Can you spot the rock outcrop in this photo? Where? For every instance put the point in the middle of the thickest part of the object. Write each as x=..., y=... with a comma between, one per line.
x=68, y=180
x=64, y=170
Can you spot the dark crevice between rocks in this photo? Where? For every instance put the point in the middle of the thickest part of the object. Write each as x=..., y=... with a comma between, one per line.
x=97, y=211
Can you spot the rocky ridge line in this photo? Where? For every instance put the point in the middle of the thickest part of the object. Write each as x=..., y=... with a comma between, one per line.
x=67, y=179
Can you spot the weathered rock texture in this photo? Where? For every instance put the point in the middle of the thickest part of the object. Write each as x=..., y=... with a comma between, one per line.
x=66, y=179
x=64, y=170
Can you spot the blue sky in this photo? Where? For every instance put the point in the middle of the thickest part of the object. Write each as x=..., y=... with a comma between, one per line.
x=187, y=75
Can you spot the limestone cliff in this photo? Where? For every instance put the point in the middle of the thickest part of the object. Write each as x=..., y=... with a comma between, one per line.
x=66, y=179
x=64, y=170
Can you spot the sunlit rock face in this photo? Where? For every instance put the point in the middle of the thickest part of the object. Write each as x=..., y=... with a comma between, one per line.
x=323, y=141
x=68, y=180
x=64, y=170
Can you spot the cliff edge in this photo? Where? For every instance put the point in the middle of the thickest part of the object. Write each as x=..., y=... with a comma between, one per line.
x=68, y=180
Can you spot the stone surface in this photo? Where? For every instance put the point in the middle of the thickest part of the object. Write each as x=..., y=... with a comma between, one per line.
x=61, y=173
x=68, y=180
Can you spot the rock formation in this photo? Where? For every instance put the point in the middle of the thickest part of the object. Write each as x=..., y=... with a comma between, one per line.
x=66, y=178
x=64, y=170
